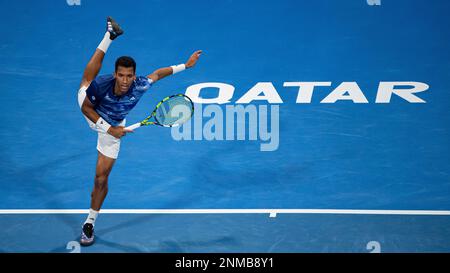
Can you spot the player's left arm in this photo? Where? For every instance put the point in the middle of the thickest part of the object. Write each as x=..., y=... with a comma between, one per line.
x=166, y=71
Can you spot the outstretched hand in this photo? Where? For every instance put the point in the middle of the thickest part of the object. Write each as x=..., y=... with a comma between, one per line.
x=193, y=59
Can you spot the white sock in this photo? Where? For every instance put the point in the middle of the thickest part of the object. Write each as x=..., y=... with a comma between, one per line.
x=91, y=217
x=104, y=44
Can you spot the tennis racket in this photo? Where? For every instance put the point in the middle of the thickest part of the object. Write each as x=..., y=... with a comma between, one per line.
x=172, y=111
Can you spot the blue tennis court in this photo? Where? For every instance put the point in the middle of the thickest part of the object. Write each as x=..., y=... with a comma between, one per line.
x=319, y=126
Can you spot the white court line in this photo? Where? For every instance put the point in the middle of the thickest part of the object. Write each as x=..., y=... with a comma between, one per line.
x=227, y=211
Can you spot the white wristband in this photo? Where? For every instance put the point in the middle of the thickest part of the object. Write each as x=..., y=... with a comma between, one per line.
x=102, y=125
x=178, y=68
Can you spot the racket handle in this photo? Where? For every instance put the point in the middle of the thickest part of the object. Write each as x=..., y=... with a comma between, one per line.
x=134, y=126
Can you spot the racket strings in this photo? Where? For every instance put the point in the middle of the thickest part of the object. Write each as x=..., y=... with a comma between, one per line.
x=174, y=110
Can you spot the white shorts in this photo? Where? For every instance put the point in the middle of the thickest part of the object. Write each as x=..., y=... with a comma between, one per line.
x=106, y=143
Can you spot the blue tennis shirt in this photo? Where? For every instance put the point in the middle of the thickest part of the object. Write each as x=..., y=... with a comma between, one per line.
x=114, y=108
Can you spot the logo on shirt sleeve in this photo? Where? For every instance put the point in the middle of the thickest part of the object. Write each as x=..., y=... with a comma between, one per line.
x=93, y=98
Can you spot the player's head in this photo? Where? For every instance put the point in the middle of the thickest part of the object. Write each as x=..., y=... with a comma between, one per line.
x=125, y=74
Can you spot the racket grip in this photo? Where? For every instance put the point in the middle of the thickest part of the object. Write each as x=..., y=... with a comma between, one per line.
x=134, y=126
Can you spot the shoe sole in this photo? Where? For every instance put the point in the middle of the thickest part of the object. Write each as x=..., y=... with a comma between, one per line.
x=115, y=28
x=87, y=243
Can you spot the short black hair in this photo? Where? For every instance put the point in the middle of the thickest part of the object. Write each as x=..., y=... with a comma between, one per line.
x=126, y=61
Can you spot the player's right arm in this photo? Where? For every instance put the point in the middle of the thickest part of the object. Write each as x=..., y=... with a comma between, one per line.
x=89, y=111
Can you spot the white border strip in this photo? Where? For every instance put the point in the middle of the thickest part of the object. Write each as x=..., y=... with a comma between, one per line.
x=226, y=211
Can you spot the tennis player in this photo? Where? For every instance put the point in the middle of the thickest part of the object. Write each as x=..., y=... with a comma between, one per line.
x=105, y=102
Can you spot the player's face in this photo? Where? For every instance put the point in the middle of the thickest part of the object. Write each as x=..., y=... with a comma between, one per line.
x=124, y=78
